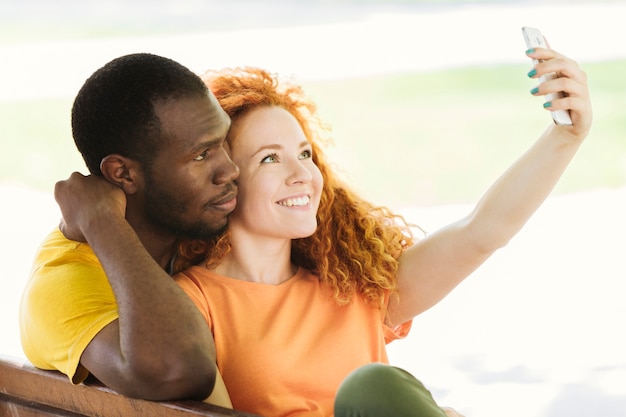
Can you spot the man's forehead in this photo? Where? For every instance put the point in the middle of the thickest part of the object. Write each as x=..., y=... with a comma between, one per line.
x=193, y=121
x=181, y=104
x=216, y=105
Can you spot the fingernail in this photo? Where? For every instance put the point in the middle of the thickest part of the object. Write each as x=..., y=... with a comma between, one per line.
x=532, y=73
x=534, y=91
x=530, y=51
x=547, y=104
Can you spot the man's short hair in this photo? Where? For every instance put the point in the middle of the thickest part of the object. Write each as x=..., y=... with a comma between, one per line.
x=114, y=110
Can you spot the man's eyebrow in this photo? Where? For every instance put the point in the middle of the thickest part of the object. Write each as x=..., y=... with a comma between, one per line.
x=209, y=143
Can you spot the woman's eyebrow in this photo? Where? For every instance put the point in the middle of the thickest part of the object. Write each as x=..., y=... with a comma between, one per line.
x=272, y=147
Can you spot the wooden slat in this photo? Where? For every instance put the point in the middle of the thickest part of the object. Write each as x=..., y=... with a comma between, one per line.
x=26, y=391
x=11, y=406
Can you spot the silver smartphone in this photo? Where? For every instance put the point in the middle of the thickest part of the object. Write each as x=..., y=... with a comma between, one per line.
x=534, y=38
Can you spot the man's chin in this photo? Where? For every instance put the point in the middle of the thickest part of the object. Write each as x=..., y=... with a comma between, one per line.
x=202, y=231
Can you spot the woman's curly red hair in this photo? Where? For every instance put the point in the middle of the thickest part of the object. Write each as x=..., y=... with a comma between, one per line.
x=356, y=244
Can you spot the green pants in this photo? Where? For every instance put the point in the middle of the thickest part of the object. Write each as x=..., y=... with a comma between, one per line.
x=378, y=390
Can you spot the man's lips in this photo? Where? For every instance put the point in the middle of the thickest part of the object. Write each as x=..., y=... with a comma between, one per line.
x=228, y=201
x=228, y=205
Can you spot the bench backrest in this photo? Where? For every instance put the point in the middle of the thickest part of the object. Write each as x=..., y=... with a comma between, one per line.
x=26, y=391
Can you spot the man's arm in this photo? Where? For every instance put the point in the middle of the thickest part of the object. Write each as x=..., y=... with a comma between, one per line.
x=160, y=348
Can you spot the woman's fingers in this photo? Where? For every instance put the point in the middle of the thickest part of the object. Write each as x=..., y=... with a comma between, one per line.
x=571, y=80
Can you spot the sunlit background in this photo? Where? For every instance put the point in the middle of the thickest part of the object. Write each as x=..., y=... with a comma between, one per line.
x=428, y=102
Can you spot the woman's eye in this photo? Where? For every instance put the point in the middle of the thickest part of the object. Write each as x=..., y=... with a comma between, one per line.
x=269, y=158
x=306, y=154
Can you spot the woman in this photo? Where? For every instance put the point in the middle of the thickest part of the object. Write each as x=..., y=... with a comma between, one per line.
x=310, y=281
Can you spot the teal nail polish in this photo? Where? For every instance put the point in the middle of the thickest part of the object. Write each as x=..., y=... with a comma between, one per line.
x=530, y=51
x=534, y=91
x=532, y=73
x=547, y=104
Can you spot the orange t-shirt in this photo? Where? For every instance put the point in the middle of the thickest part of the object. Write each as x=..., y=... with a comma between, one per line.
x=284, y=349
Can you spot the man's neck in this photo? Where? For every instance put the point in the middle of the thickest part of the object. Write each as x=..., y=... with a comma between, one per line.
x=160, y=247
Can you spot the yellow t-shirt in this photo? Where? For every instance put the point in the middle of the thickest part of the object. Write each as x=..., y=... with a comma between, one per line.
x=66, y=302
x=284, y=349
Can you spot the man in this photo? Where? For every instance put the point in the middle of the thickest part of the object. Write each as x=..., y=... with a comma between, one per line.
x=151, y=128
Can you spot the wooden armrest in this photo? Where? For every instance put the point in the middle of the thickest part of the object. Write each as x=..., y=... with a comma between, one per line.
x=26, y=391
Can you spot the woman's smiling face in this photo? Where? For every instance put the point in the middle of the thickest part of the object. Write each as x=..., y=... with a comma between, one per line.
x=279, y=184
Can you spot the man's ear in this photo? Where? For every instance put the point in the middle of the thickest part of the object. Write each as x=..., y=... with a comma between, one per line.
x=122, y=171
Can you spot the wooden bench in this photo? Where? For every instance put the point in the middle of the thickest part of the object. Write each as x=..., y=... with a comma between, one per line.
x=26, y=391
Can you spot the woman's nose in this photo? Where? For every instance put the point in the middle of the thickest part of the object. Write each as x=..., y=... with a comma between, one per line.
x=300, y=173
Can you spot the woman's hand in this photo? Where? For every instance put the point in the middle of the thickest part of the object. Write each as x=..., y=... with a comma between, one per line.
x=451, y=412
x=572, y=81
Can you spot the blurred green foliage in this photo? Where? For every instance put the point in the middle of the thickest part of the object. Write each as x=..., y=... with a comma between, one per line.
x=402, y=139
x=442, y=137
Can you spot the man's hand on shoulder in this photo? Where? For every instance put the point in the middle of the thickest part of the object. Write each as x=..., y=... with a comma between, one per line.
x=85, y=198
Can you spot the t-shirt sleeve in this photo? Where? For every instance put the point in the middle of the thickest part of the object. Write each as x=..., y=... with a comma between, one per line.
x=399, y=331
x=66, y=302
x=194, y=290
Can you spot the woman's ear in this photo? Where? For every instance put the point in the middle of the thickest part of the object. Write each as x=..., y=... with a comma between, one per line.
x=121, y=171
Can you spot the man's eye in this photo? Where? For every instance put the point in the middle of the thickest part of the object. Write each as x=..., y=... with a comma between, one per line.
x=201, y=156
x=269, y=158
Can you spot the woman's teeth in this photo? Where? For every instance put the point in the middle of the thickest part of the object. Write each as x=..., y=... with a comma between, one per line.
x=300, y=201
